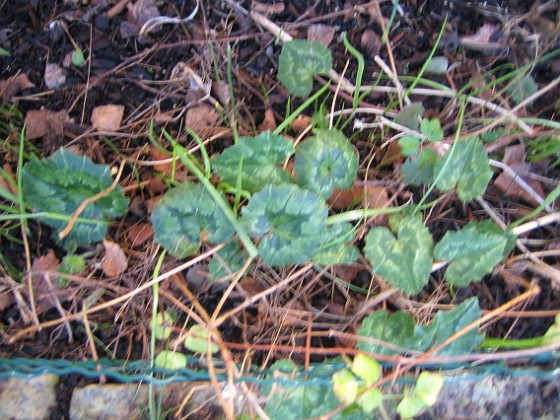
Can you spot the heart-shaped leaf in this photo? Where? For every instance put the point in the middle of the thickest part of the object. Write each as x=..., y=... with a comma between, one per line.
x=325, y=162
x=184, y=215
x=61, y=183
x=404, y=261
x=259, y=159
x=299, y=61
x=473, y=251
x=289, y=220
x=465, y=166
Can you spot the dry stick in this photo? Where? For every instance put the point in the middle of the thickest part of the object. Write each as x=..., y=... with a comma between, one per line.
x=254, y=299
x=511, y=112
x=394, y=79
x=118, y=300
x=64, y=232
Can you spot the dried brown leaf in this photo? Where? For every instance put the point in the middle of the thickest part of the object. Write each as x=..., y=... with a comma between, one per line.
x=47, y=262
x=44, y=123
x=269, y=122
x=13, y=85
x=107, y=117
x=267, y=9
x=114, y=262
x=321, y=33
x=367, y=195
x=158, y=155
x=370, y=42
x=139, y=234
x=203, y=119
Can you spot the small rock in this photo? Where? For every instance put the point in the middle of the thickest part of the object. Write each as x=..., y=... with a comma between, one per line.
x=28, y=398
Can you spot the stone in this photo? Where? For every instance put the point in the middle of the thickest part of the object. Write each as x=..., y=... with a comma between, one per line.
x=28, y=398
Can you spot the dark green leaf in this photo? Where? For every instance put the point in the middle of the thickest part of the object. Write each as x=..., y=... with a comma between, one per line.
x=465, y=166
x=61, y=183
x=325, y=162
x=523, y=88
x=473, y=251
x=289, y=220
x=335, y=245
x=447, y=323
x=181, y=216
x=227, y=261
x=404, y=261
x=260, y=159
x=409, y=115
x=396, y=329
x=420, y=170
x=299, y=61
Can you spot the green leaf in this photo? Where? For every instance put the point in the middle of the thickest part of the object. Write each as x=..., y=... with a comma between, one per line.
x=299, y=61
x=552, y=335
x=325, y=162
x=473, y=251
x=404, y=261
x=409, y=115
x=420, y=170
x=432, y=129
x=301, y=402
x=410, y=406
x=409, y=144
x=395, y=329
x=171, y=360
x=4, y=53
x=61, y=183
x=78, y=57
x=72, y=264
x=289, y=220
x=437, y=65
x=335, y=245
x=161, y=328
x=197, y=341
x=260, y=159
x=399, y=329
x=345, y=386
x=366, y=368
x=228, y=260
x=428, y=387
x=465, y=166
x=522, y=89
x=181, y=217
x=370, y=400
x=447, y=323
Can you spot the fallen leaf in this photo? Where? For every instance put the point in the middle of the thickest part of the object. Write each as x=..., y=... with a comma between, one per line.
x=203, y=119
x=44, y=123
x=506, y=183
x=55, y=76
x=321, y=33
x=158, y=155
x=367, y=195
x=107, y=117
x=114, y=262
x=267, y=9
x=6, y=298
x=300, y=123
x=370, y=42
x=139, y=234
x=13, y=85
x=137, y=15
x=269, y=122
x=251, y=286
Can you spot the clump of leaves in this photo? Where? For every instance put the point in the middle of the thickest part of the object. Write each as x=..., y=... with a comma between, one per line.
x=60, y=184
